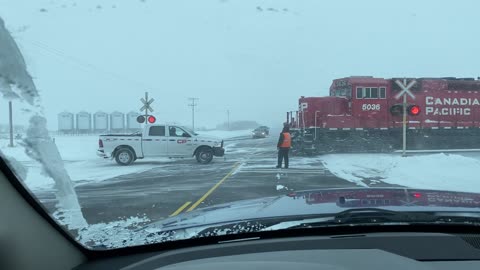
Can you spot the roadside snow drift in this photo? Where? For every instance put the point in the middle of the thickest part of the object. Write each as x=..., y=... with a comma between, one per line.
x=434, y=171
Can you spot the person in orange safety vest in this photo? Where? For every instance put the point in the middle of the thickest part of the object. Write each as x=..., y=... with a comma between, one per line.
x=283, y=145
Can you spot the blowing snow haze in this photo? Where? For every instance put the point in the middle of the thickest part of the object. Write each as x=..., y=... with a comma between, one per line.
x=253, y=58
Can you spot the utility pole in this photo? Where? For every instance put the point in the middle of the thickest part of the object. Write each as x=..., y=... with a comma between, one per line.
x=193, y=104
x=10, y=118
x=228, y=119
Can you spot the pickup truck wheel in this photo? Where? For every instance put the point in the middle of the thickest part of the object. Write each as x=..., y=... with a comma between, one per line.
x=204, y=155
x=124, y=157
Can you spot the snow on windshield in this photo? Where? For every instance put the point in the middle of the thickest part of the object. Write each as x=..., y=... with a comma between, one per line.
x=17, y=85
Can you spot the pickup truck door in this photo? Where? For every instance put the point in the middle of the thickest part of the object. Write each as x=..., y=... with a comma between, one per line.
x=154, y=142
x=180, y=142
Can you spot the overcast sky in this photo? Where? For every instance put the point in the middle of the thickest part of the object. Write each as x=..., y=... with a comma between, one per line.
x=252, y=57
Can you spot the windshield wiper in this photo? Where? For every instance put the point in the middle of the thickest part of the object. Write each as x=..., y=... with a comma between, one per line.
x=349, y=216
x=376, y=215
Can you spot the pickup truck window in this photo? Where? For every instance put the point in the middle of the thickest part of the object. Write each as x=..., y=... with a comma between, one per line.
x=157, y=131
x=178, y=132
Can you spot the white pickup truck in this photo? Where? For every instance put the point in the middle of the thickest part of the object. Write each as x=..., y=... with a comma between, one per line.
x=159, y=141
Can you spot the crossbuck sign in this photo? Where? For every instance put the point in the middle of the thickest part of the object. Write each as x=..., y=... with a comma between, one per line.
x=405, y=88
x=146, y=104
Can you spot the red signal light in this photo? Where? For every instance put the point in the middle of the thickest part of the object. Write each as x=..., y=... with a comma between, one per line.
x=414, y=110
x=417, y=195
x=151, y=119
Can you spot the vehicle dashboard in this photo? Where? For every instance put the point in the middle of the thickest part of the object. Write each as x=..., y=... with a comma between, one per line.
x=361, y=251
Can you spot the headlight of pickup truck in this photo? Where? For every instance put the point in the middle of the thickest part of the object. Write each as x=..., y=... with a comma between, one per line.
x=216, y=144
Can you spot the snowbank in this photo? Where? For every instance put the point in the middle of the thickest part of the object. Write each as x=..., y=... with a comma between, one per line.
x=71, y=148
x=80, y=160
x=434, y=171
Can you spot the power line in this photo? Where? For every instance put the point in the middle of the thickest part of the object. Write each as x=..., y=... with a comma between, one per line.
x=83, y=64
x=193, y=105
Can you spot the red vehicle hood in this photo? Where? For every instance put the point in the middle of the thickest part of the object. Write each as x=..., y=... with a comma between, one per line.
x=328, y=201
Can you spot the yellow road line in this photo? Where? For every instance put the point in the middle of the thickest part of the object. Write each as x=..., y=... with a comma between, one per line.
x=180, y=209
x=214, y=187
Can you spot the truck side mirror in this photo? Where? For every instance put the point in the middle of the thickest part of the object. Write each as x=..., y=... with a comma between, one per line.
x=186, y=135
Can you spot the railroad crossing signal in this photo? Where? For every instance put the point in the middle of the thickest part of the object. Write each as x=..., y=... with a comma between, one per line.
x=412, y=110
x=150, y=119
x=146, y=104
x=405, y=88
x=147, y=108
x=416, y=110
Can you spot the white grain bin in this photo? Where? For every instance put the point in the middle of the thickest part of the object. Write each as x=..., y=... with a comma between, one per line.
x=66, y=122
x=117, y=122
x=84, y=122
x=100, y=121
x=132, y=124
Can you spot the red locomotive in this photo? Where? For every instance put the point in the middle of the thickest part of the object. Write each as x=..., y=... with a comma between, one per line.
x=364, y=114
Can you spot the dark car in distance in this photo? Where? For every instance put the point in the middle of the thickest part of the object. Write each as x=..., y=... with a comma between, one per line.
x=260, y=132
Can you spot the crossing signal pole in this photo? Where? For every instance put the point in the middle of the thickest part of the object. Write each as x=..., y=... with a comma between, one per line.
x=405, y=90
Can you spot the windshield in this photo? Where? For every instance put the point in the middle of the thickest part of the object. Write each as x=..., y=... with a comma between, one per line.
x=189, y=130
x=306, y=108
